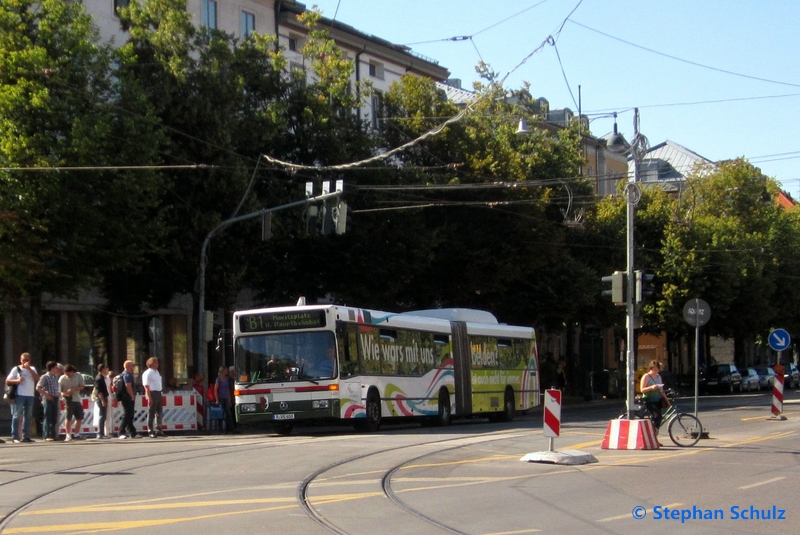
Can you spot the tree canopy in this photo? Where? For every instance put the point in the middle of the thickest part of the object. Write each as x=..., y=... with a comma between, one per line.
x=117, y=164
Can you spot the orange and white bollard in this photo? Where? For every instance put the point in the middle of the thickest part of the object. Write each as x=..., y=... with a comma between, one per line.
x=777, y=398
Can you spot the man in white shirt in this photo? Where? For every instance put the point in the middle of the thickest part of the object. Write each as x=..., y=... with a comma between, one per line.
x=25, y=377
x=151, y=380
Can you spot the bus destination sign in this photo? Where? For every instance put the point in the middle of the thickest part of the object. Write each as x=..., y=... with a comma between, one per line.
x=281, y=321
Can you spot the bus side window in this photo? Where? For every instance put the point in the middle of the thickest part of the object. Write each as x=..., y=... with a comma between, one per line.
x=348, y=355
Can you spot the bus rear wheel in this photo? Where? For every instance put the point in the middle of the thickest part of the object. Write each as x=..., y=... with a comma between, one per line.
x=445, y=415
x=507, y=414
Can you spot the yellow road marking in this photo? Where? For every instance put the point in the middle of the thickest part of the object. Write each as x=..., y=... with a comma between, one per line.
x=767, y=482
x=514, y=532
x=150, y=507
x=132, y=524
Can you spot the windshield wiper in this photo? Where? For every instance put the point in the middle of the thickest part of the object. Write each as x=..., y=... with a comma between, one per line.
x=305, y=376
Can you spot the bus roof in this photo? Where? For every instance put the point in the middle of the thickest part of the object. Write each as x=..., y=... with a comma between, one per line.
x=456, y=314
x=478, y=322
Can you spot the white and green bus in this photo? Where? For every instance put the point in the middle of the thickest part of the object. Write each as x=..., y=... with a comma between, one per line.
x=328, y=362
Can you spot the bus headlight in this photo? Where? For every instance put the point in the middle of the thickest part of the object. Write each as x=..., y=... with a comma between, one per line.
x=248, y=407
x=321, y=404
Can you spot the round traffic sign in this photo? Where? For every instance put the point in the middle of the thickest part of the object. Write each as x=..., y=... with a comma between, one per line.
x=779, y=339
x=696, y=312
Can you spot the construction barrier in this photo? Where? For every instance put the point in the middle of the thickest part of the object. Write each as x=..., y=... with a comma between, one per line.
x=552, y=413
x=179, y=410
x=630, y=435
x=777, y=395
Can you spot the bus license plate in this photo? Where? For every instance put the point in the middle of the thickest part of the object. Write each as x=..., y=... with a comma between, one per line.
x=283, y=417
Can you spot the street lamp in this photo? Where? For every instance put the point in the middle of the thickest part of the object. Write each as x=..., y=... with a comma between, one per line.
x=637, y=149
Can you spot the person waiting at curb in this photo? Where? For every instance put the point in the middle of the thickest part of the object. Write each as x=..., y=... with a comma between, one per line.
x=128, y=400
x=72, y=384
x=151, y=380
x=25, y=377
x=102, y=399
x=50, y=391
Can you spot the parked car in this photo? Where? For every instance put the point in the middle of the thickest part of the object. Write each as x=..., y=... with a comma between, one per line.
x=791, y=376
x=750, y=380
x=766, y=376
x=722, y=378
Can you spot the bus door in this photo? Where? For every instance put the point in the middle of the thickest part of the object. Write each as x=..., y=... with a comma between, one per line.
x=462, y=368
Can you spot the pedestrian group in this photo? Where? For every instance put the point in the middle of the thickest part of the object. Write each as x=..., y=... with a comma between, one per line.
x=65, y=383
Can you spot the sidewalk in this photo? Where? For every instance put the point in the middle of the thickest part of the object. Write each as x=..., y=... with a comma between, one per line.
x=567, y=400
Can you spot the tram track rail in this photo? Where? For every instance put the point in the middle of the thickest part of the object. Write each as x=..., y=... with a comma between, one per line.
x=306, y=502
x=146, y=461
x=144, y=458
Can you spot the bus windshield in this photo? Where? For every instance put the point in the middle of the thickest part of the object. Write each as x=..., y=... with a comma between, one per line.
x=292, y=356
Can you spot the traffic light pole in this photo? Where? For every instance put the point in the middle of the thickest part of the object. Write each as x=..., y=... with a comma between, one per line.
x=202, y=363
x=632, y=195
x=630, y=311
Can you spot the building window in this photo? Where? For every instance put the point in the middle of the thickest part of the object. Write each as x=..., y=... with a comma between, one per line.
x=377, y=109
x=248, y=24
x=376, y=70
x=210, y=14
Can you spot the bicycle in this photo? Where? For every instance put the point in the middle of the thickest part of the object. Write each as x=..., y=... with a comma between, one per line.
x=685, y=429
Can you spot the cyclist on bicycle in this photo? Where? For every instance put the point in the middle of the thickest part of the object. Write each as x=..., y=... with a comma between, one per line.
x=652, y=387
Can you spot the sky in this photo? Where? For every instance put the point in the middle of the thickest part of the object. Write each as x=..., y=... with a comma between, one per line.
x=719, y=77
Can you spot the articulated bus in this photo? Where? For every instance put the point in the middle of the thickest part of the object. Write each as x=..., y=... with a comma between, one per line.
x=328, y=362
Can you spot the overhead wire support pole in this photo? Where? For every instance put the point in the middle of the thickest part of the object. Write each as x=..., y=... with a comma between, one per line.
x=201, y=299
x=632, y=195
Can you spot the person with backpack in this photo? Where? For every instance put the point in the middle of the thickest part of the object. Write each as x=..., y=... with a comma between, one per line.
x=126, y=395
x=23, y=378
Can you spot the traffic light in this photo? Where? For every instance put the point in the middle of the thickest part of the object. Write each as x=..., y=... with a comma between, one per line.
x=644, y=286
x=617, y=291
x=334, y=216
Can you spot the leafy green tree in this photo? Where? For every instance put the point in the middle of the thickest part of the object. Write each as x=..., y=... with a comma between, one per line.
x=724, y=240
x=222, y=103
x=57, y=109
x=502, y=247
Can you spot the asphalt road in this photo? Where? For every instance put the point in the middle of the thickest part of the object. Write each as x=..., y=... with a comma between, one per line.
x=463, y=479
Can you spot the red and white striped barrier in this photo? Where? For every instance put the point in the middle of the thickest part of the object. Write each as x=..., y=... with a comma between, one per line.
x=179, y=411
x=87, y=425
x=630, y=435
x=552, y=413
x=777, y=396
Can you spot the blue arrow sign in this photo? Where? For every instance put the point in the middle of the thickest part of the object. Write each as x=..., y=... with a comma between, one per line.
x=779, y=339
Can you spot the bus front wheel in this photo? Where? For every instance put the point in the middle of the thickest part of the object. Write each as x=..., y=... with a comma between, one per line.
x=284, y=429
x=373, y=420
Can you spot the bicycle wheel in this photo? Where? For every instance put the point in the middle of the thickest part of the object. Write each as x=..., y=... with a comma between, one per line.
x=685, y=430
